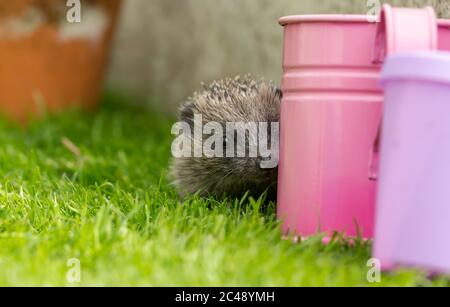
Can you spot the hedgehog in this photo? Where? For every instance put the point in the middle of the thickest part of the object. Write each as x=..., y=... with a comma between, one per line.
x=238, y=100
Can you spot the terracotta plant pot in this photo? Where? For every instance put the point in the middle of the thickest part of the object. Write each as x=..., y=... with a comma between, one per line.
x=46, y=62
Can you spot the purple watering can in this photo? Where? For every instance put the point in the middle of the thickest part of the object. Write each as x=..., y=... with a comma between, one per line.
x=413, y=207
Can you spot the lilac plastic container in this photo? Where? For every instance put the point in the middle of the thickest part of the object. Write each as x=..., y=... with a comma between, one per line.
x=413, y=206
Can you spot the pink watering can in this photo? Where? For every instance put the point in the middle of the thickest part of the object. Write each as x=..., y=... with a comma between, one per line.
x=331, y=114
x=413, y=206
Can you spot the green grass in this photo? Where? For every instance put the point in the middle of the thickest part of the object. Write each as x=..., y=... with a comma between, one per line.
x=110, y=206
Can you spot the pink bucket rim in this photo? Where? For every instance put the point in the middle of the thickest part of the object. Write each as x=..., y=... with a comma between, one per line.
x=292, y=19
x=322, y=18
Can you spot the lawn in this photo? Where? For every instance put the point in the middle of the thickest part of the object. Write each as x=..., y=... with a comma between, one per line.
x=94, y=188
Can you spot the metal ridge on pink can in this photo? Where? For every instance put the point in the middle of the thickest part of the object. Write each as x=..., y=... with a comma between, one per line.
x=321, y=18
x=337, y=18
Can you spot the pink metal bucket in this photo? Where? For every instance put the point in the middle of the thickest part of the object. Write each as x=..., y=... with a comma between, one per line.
x=330, y=116
x=413, y=207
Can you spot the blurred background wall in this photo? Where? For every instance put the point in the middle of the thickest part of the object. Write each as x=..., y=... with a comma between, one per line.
x=165, y=48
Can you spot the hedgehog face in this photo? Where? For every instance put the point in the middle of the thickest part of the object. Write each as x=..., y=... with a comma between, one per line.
x=241, y=109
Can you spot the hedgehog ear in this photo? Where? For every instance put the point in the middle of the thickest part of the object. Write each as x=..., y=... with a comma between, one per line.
x=187, y=114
